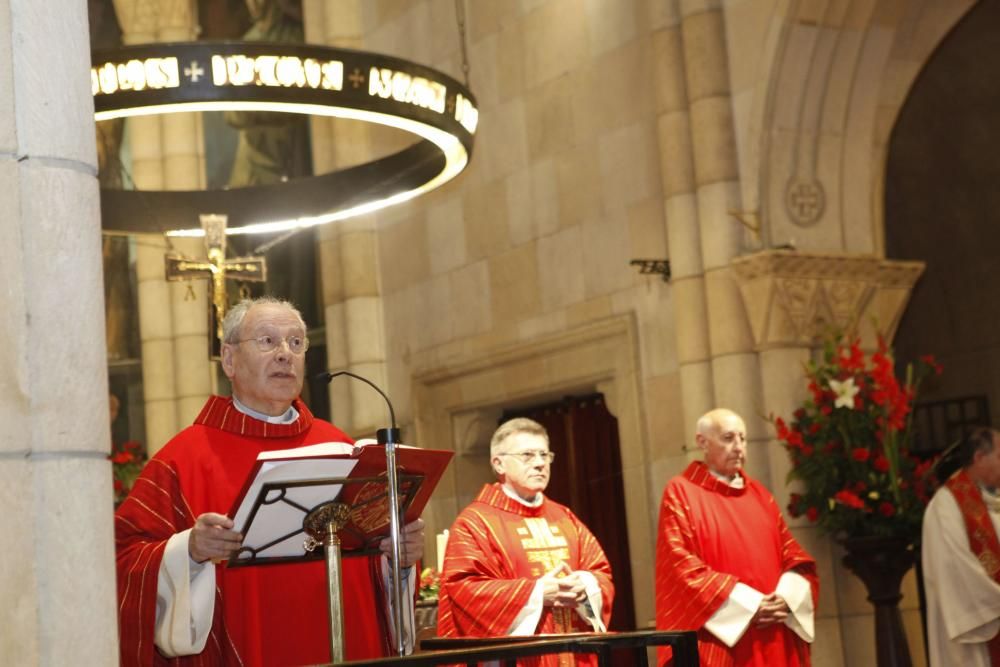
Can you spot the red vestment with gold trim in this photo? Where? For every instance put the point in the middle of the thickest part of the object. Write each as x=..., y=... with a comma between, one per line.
x=712, y=536
x=497, y=549
x=264, y=615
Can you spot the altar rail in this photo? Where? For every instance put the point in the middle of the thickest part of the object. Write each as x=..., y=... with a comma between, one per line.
x=470, y=651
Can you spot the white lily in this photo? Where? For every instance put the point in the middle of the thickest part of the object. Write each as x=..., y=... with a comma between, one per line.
x=845, y=391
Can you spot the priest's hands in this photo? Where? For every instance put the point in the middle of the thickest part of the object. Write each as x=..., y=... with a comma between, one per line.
x=411, y=544
x=213, y=538
x=562, y=591
x=772, y=610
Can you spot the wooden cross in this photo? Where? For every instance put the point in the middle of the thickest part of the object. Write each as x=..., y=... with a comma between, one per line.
x=217, y=268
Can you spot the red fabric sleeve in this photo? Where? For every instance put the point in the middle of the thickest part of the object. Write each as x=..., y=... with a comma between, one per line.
x=593, y=560
x=794, y=557
x=688, y=591
x=481, y=594
x=143, y=524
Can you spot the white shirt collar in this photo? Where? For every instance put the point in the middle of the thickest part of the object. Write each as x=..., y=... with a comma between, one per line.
x=527, y=503
x=736, y=482
x=290, y=415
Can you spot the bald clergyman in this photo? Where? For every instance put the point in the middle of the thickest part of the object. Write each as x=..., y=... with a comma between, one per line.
x=726, y=563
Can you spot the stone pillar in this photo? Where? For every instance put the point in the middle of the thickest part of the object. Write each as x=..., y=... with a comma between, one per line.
x=735, y=373
x=159, y=389
x=57, y=581
x=168, y=154
x=348, y=250
x=681, y=211
x=792, y=299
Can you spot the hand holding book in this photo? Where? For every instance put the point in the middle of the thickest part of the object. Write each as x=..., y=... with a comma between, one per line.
x=213, y=538
x=285, y=485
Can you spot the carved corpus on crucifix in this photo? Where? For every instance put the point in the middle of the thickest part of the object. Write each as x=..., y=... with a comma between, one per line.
x=217, y=268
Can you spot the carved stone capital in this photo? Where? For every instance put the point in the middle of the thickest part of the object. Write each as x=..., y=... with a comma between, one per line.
x=794, y=298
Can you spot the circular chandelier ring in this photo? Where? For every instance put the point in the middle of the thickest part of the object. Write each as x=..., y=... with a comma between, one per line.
x=294, y=78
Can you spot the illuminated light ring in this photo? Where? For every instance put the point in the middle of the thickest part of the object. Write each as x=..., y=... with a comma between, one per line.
x=441, y=153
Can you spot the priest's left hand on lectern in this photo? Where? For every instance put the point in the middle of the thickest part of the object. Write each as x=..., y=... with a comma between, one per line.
x=175, y=598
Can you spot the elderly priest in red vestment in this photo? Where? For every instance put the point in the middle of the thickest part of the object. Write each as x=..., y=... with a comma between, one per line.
x=177, y=604
x=518, y=563
x=726, y=563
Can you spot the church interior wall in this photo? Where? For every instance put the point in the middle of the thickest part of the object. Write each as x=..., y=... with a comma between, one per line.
x=444, y=300
x=816, y=90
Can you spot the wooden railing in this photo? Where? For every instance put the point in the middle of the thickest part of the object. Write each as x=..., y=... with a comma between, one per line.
x=937, y=424
x=507, y=650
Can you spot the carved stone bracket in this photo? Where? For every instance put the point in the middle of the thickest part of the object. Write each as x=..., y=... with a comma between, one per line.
x=794, y=298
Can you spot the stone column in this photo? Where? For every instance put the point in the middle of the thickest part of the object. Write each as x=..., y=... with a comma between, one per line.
x=138, y=22
x=348, y=250
x=735, y=373
x=168, y=154
x=57, y=581
x=681, y=211
x=159, y=389
x=792, y=299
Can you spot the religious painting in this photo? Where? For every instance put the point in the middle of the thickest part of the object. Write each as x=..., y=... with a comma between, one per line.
x=120, y=307
x=249, y=148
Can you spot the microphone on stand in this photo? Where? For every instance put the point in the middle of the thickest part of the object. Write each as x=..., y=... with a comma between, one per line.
x=384, y=436
x=390, y=438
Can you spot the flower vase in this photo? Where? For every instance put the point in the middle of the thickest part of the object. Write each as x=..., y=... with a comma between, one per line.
x=881, y=563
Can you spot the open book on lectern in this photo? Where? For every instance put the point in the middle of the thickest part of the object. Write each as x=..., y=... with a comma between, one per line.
x=285, y=485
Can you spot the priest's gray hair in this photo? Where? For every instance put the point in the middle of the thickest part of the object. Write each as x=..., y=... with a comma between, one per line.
x=512, y=427
x=234, y=318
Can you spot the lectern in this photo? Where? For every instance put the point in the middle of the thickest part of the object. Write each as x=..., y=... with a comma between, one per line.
x=290, y=506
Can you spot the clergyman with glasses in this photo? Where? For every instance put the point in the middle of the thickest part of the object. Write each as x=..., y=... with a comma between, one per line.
x=176, y=598
x=518, y=563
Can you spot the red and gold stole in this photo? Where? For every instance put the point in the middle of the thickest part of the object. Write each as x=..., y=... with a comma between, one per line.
x=982, y=536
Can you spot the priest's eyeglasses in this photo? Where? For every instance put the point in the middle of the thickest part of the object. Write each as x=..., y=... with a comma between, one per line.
x=269, y=343
x=528, y=457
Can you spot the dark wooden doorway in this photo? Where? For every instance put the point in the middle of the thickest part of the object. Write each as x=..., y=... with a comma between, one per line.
x=587, y=477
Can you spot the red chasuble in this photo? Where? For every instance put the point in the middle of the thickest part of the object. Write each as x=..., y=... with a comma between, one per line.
x=497, y=548
x=264, y=615
x=710, y=537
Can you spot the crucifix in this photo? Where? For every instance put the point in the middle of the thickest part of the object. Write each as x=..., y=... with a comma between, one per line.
x=217, y=268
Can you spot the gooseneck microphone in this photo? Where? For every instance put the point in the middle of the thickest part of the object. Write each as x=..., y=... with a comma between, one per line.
x=390, y=438
x=384, y=436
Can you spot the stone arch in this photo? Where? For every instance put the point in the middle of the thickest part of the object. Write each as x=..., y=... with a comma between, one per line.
x=813, y=143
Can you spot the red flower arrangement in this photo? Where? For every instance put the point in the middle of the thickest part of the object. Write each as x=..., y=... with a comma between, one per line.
x=127, y=460
x=430, y=584
x=849, y=444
